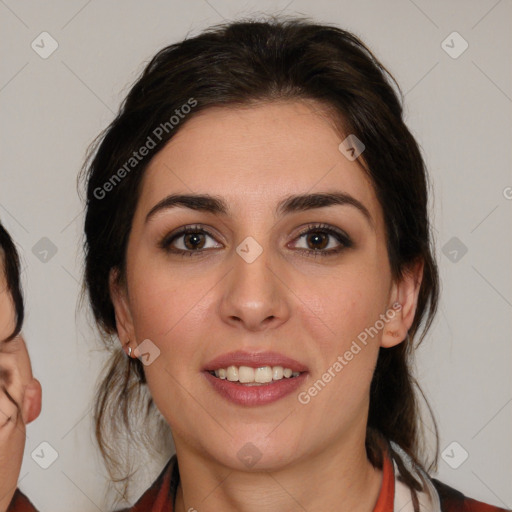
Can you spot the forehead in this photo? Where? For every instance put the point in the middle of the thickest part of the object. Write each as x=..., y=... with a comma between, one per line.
x=254, y=156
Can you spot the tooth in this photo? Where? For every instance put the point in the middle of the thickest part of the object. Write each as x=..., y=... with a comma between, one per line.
x=232, y=373
x=248, y=375
x=245, y=374
x=263, y=374
x=277, y=372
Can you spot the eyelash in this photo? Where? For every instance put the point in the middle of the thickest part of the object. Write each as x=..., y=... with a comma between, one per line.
x=340, y=236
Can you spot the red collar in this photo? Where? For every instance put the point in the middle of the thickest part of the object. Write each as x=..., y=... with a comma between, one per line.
x=386, y=499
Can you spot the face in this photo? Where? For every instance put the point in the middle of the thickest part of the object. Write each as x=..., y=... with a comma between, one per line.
x=303, y=279
x=15, y=367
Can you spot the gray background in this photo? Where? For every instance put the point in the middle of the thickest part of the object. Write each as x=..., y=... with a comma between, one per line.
x=458, y=108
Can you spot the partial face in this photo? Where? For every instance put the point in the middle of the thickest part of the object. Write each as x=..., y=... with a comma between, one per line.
x=260, y=273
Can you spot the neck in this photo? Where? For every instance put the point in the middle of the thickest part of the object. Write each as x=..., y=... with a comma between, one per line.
x=338, y=478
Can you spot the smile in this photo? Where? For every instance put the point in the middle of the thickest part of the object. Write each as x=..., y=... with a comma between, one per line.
x=254, y=376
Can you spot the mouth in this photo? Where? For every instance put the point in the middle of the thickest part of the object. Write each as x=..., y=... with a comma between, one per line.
x=251, y=394
x=249, y=376
x=254, y=378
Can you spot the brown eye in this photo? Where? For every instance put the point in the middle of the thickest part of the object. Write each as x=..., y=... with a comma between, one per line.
x=188, y=241
x=319, y=237
x=317, y=240
x=193, y=241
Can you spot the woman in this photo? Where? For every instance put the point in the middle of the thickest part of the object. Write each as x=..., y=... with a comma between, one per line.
x=257, y=242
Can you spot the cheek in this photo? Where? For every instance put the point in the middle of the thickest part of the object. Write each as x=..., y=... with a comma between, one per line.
x=171, y=309
x=338, y=307
x=338, y=314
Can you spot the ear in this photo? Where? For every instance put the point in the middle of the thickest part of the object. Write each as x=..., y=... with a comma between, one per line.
x=119, y=298
x=32, y=401
x=402, y=305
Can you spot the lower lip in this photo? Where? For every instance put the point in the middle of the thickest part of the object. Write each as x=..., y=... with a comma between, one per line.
x=255, y=395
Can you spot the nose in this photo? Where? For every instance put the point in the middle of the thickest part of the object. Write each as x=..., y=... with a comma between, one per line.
x=254, y=295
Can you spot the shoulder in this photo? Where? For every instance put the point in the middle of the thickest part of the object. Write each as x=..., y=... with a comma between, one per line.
x=453, y=500
x=162, y=491
x=20, y=503
x=448, y=499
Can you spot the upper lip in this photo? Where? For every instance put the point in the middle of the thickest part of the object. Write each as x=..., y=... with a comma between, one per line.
x=254, y=360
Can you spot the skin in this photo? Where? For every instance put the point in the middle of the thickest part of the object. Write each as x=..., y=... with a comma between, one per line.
x=310, y=308
x=16, y=376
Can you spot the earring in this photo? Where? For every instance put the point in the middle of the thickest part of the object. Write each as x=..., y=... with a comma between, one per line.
x=129, y=351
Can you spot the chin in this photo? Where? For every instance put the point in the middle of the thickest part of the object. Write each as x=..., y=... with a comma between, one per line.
x=256, y=453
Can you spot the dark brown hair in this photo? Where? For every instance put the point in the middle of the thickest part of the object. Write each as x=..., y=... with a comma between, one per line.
x=10, y=266
x=239, y=64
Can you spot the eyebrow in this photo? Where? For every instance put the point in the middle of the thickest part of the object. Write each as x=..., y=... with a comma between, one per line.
x=295, y=203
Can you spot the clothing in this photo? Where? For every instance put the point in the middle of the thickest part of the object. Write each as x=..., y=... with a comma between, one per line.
x=394, y=496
